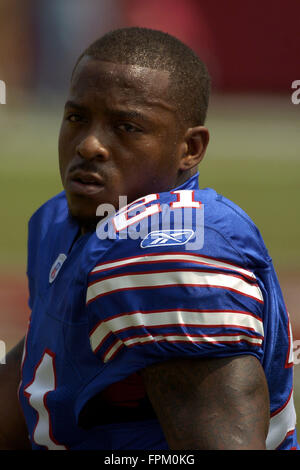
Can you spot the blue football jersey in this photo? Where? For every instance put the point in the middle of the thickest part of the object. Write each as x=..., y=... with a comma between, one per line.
x=178, y=274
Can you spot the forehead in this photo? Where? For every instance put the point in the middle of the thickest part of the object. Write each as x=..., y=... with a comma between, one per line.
x=98, y=78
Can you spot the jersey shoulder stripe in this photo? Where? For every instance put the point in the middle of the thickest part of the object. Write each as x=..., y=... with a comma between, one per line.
x=250, y=328
x=220, y=339
x=172, y=278
x=171, y=258
x=148, y=291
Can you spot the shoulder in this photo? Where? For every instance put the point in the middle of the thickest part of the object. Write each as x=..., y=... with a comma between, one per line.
x=55, y=209
x=225, y=220
x=46, y=225
x=196, y=222
x=149, y=272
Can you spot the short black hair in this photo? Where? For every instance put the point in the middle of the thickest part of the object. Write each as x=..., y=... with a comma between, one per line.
x=189, y=77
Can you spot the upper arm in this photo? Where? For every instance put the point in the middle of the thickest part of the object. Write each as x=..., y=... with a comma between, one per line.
x=210, y=403
x=13, y=431
x=154, y=306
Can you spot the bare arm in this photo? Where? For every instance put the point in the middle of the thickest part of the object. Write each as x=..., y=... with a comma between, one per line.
x=13, y=432
x=210, y=404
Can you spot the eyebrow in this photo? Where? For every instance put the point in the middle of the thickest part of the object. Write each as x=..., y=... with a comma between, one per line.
x=128, y=114
x=118, y=113
x=73, y=104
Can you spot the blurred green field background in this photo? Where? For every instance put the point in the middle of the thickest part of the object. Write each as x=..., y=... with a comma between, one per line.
x=253, y=159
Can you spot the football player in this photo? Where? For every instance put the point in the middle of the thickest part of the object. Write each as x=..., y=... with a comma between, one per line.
x=162, y=325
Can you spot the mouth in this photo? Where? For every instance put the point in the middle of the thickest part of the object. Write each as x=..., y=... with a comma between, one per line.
x=85, y=183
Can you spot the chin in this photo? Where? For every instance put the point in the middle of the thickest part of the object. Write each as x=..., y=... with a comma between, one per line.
x=84, y=211
x=87, y=221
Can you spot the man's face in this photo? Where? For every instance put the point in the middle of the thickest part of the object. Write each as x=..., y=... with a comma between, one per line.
x=120, y=136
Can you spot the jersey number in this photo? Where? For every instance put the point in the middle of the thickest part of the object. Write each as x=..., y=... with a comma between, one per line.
x=122, y=220
x=43, y=382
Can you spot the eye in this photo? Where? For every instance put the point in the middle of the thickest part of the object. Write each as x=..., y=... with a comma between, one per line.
x=129, y=128
x=73, y=117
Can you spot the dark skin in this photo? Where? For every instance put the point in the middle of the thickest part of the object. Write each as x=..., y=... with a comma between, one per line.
x=13, y=431
x=210, y=404
x=119, y=128
x=122, y=135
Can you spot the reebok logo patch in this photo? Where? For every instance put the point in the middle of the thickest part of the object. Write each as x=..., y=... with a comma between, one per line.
x=167, y=238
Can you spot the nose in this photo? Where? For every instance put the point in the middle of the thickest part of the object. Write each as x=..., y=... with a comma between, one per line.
x=91, y=147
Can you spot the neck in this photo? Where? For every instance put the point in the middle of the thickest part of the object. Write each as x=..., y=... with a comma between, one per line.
x=185, y=175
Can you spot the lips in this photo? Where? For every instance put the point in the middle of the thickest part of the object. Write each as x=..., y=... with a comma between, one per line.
x=85, y=183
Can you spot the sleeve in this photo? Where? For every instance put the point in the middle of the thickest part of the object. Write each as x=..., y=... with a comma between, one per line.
x=162, y=304
x=36, y=232
x=32, y=248
x=38, y=226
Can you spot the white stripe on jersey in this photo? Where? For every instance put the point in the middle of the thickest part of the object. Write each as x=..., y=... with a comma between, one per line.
x=188, y=318
x=173, y=278
x=280, y=424
x=114, y=348
x=172, y=257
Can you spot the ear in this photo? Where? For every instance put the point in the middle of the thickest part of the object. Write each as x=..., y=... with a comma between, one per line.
x=196, y=141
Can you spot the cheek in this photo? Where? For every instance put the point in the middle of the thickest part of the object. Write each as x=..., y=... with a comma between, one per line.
x=61, y=150
x=64, y=151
